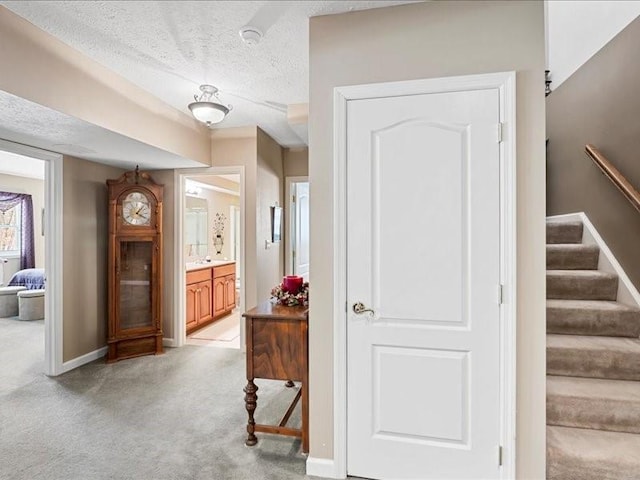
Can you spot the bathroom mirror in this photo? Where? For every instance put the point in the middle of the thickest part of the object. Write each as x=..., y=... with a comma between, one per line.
x=196, y=226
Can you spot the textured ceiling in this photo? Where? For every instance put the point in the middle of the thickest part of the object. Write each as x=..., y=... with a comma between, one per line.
x=28, y=123
x=169, y=48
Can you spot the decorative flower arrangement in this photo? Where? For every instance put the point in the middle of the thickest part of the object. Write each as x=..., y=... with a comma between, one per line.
x=218, y=224
x=291, y=299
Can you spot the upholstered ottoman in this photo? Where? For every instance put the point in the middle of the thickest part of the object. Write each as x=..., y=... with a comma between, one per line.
x=31, y=304
x=9, y=301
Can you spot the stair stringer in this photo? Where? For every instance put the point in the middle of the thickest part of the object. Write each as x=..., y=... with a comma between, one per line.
x=627, y=292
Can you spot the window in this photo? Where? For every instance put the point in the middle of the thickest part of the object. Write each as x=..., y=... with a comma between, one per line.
x=10, y=231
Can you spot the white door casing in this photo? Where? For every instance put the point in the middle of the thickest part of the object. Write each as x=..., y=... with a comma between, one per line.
x=179, y=335
x=440, y=423
x=53, y=355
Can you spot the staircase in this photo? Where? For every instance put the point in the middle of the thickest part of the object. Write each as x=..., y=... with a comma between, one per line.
x=593, y=365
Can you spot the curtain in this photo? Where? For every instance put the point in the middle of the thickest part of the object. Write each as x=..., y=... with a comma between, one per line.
x=9, y=200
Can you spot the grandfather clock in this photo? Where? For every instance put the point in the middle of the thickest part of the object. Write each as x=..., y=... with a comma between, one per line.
x=135, y=266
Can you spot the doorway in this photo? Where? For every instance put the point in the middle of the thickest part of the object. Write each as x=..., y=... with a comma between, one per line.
x=425, y=211
x=47, y=233
x=210, y=246
x=297, y=227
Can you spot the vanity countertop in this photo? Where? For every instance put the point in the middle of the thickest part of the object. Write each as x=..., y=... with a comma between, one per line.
x=192, y=266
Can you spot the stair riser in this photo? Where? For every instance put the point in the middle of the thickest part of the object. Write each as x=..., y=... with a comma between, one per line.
x=614, y=416
x=587, y=288
x=564, y=233
x=594, y=364
x=572, y=260
x=593, y=322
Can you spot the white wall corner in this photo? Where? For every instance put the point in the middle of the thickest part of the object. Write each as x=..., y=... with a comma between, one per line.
x=323, y=467
x=83, y=359
x=577, y=29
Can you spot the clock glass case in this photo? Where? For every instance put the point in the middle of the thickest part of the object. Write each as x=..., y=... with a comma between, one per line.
x=135, y=299
x=136, y=209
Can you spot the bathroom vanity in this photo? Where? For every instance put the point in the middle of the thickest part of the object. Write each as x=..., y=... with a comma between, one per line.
x=211, y=292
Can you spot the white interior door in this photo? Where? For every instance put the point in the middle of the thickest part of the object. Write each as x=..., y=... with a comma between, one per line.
x=423, y=252
x=301, y=229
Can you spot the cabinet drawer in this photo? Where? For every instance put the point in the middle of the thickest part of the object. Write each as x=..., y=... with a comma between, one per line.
x=224, y=270
x=198, y=276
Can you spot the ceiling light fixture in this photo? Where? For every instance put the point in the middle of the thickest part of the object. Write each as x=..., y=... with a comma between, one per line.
x=207, y=107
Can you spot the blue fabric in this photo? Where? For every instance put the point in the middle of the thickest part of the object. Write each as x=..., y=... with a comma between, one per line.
x=32, y=278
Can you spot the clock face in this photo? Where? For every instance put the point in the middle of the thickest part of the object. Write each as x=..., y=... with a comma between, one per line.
x=136, y=209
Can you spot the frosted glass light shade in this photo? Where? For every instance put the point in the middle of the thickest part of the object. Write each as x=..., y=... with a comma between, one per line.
x=208, y=113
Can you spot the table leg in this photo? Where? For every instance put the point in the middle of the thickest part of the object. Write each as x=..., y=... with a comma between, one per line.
x=251, y=401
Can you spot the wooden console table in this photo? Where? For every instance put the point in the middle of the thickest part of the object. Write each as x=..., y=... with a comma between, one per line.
x=277, y=349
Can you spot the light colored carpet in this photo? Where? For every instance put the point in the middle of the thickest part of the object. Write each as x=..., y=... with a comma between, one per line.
x=21, y=353
x=176, y=416
x=593, y=365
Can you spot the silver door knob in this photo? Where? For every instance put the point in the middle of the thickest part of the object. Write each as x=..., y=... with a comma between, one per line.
x=360, y=308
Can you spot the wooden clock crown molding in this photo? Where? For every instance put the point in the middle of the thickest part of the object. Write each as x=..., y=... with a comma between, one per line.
x=136, y=178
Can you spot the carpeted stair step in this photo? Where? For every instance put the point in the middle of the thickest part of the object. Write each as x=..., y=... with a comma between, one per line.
x=592, y=317
x=581, y=454
x=612, y=405
x=596, y=357
x=581, y=285
x=572, y=256
x=564, y=232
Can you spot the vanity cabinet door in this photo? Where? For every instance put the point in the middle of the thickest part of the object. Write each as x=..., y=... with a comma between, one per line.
x=205, y=301
x=192, y=303
x=219, y=303
x=230, y=292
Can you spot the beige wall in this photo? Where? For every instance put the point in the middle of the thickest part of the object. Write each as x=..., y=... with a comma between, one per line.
x=270, y=192
x=35, y=188
x=428, y=40
x=599, y=104
x=57, y=76
x=169, y=272
x=85, y=238
x=238, y=147
x=296, y=162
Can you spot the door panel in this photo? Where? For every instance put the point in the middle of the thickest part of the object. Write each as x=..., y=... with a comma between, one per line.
x=423, y=235
x=301, y=265
x=192, y=298
x=230, y=292
x=219, y=303
x=205, y=301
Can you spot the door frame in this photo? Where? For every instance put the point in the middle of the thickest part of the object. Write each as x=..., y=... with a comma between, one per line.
x=505, y=82
x=53, y=261
x=288, y=223
x=179, y=312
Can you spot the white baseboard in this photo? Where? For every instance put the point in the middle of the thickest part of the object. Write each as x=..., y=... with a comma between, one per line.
x=83, y=359
x=323, y=467
x=168, y=342
x=627, y=292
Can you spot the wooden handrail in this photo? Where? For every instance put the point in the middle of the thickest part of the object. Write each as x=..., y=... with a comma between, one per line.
x=614, y=175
